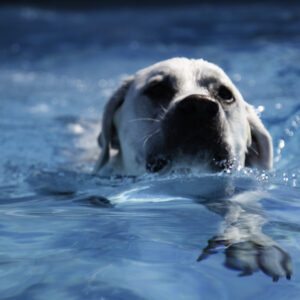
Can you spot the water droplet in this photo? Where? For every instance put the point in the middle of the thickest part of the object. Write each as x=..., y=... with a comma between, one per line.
x=281, y=144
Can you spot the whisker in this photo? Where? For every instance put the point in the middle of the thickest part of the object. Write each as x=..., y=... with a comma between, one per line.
x=164, y=109
x=254, y=151
x=145, y=119
x=163, y=112
x=146, y=139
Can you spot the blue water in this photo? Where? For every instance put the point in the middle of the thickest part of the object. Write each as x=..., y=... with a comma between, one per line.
x=60, y=236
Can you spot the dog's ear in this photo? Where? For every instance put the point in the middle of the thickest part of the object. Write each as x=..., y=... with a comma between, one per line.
x=108, y=137
x=260, y=148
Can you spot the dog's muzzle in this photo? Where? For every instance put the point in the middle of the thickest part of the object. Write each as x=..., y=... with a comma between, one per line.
x=194, y=127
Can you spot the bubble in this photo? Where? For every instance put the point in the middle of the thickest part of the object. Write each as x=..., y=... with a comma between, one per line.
x=260, y=109
x=76, y=128
x=281, y=144
x=237, y=77
x=289, y=132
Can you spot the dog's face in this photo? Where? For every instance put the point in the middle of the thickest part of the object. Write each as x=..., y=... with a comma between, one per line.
x=181, y=113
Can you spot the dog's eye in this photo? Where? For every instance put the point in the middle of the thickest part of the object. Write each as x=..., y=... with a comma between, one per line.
x=161, y=90
x=225, y=94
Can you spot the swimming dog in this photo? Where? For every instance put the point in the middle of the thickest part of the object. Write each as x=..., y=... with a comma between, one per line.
x=180, y=113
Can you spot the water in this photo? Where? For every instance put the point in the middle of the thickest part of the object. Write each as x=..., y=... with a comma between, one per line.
x=60, y=236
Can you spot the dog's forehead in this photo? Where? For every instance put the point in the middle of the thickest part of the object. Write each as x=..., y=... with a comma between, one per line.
x=181, y=69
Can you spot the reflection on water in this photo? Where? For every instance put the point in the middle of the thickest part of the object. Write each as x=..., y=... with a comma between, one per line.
x=80, y=232
x=247, y=248
x=235, y=199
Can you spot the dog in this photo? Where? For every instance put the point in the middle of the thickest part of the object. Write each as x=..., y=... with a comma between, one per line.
x=185, y=114
x=180, y=114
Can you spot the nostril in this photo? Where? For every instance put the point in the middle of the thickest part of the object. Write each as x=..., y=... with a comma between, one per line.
x=198, y=105
x=187, y=106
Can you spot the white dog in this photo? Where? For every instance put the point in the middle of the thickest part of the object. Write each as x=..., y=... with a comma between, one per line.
x=180, y=113
x=186, y=114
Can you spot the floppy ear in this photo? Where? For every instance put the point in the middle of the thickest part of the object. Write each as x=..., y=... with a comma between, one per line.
x=108, y=137
x=260, y=148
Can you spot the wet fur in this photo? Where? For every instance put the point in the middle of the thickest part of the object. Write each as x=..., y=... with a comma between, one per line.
x=139, y=117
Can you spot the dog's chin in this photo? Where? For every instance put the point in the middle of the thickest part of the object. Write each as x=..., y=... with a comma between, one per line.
x=158, y=163
x=198, y=163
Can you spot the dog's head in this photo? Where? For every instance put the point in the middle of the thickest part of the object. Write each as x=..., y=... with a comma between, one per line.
x=185, y=113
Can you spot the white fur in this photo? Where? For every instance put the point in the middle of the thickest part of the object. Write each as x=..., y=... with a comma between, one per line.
x=129, y=112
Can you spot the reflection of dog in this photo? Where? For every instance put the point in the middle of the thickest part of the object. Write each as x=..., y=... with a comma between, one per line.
x=237, y=200
x=247, y=248
x=181, y=113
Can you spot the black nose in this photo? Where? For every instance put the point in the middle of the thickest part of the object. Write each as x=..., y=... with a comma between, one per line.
x=198, y=105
